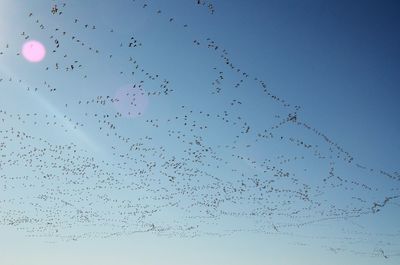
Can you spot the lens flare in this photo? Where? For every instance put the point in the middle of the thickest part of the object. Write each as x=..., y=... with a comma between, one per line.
x=33, y=51
x=131, y=101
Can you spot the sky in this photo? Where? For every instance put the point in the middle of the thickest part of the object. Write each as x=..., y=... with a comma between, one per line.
x=210, y=132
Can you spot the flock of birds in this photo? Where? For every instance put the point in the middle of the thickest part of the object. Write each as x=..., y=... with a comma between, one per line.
x=191, y=171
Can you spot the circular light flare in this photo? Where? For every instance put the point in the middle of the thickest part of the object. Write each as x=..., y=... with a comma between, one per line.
x=33, y=51
x=131, y=101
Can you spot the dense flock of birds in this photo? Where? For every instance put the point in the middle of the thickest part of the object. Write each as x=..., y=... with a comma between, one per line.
x=187, y=170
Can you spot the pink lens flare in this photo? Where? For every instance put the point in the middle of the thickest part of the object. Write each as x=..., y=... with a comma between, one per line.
x=33, y=51
x=131, y=101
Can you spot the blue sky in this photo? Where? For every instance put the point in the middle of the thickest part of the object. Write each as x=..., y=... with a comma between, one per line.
x=264, y=133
